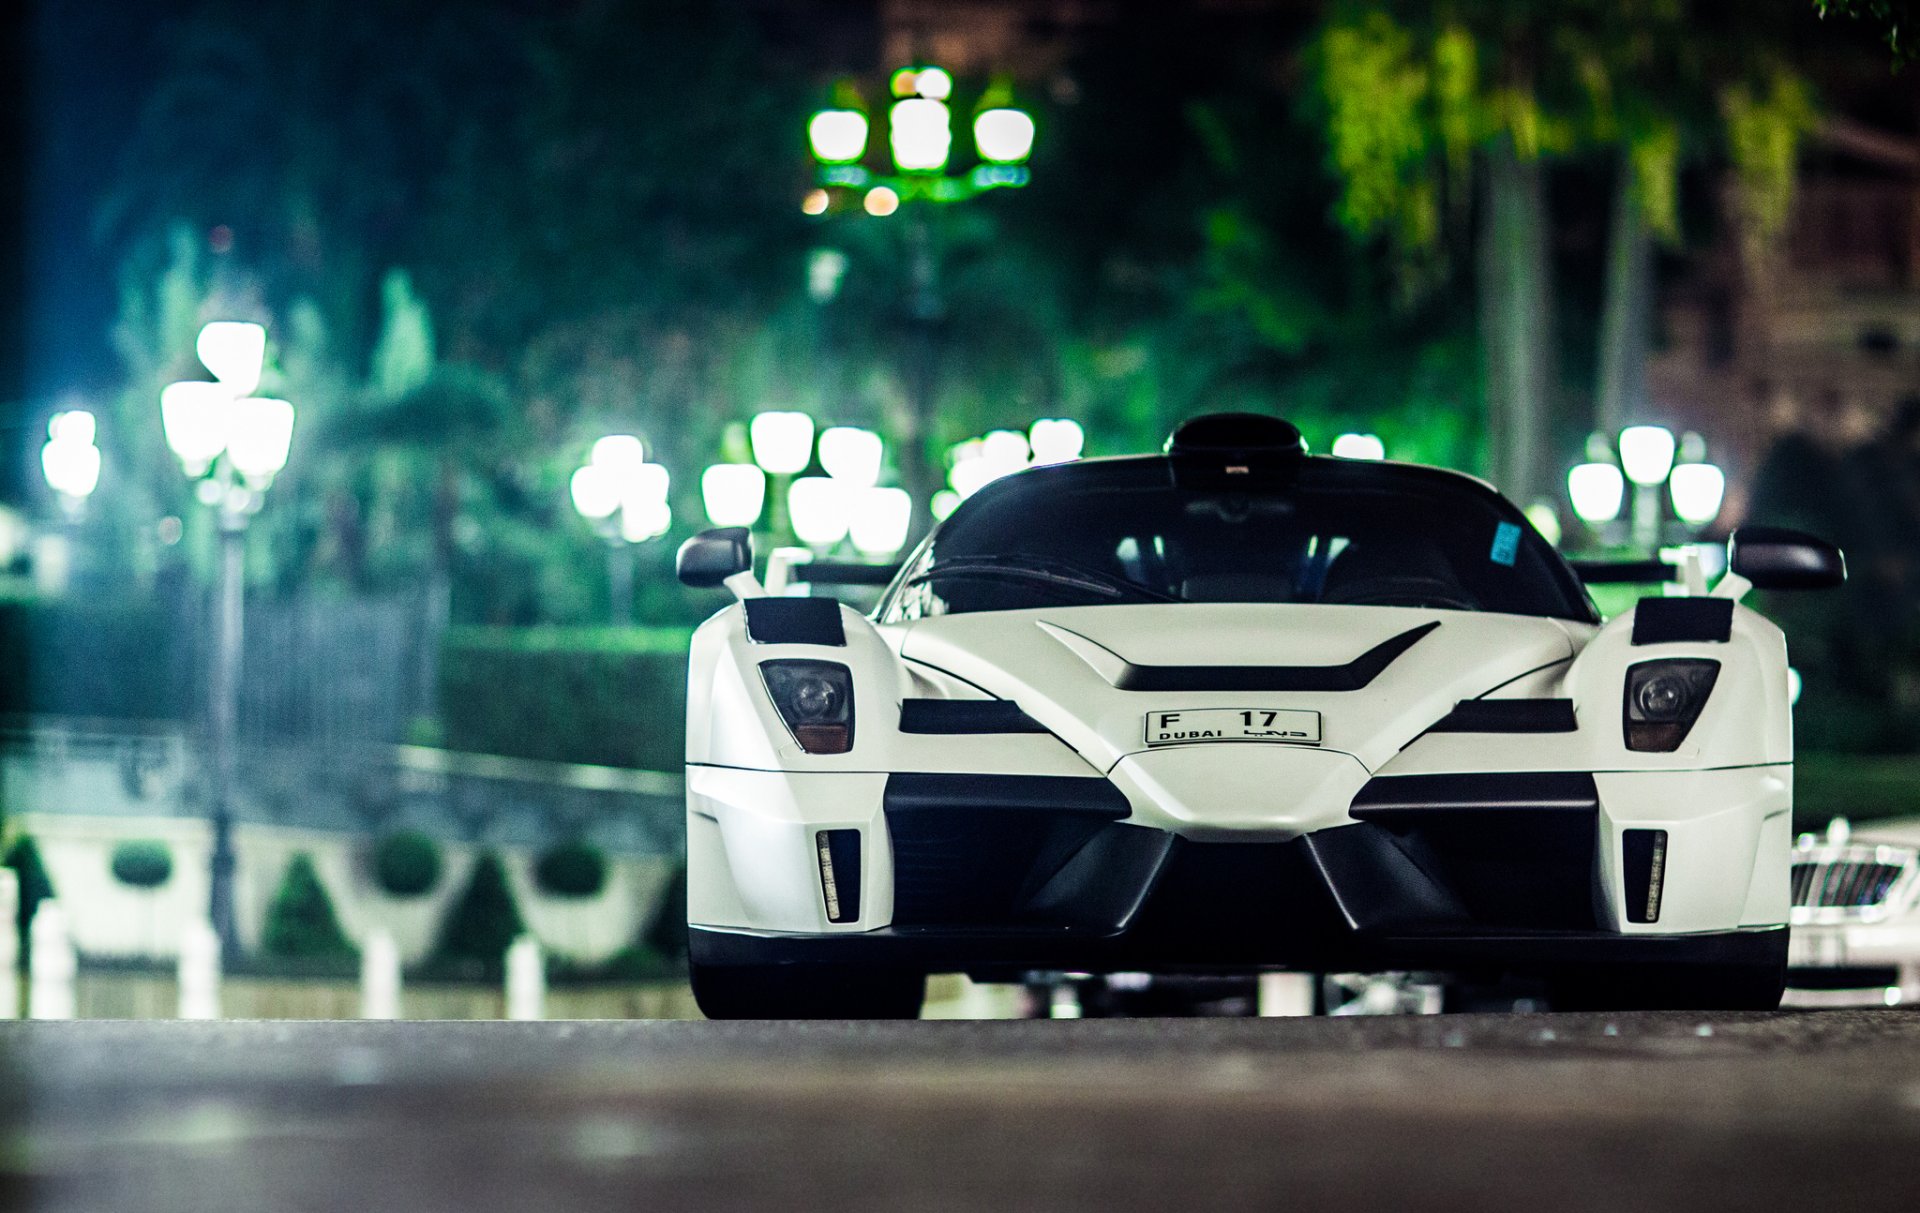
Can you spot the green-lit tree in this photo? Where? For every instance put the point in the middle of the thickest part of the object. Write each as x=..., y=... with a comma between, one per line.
x=482, y=921
x=301, y=923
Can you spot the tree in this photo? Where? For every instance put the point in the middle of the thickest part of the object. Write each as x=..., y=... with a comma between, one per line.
x=1896, y=19
x=483, y=921
x=1434, y=112
x=301, y=924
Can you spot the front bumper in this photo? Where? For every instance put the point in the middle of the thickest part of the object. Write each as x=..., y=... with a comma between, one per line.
x=1493, y=872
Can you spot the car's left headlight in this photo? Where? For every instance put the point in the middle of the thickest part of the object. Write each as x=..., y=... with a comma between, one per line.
x=1664, y=698
x=815, y=699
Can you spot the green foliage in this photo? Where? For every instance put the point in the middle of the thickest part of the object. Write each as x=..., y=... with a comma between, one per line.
x=1764, y=127
x=481, y=923
x=572, y=869
x=301, y=924
x=142, y=863
x=1897, y=19
x=34, y=884
x=604, y=696
x=403, y=356
x=407, y=863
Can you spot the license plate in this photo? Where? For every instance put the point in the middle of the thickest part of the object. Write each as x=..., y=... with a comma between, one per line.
x=1292, y=725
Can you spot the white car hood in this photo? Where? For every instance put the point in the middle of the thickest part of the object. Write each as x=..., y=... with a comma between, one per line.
x=1068, y=667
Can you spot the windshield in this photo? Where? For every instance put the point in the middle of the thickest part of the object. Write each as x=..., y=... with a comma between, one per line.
x=1338, y=533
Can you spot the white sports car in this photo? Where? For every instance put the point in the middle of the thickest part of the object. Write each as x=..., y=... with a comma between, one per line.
x=1230, y=709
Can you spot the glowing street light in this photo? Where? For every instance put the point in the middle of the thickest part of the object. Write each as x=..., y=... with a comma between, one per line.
x=881, y=201
x=1697, y=489
x=1597, y=491
x=70, y=460
x=782, y=442
x=838, y=136
x=852, y=455
x=1646, y=453
x=921, y=134
x=1359, y=446
x=231, y=444
x=625, y=498
x=880, y=520
x=819, y=510
x=734, y=494
x=235, y=351
x=1003, y=135
x=259, y=434
x=1056, y=440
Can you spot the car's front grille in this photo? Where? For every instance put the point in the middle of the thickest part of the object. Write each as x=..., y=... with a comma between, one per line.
x=1837, y=883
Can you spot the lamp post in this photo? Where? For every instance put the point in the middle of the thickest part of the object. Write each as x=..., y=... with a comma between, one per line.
x=920, y=147
x=70, y=460
x=625, y=497
x=231, y=444
x=1646, y=457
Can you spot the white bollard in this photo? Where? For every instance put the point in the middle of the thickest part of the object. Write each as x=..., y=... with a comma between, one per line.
x=1285, y=994
x=380, y=976
x=198, y=971
x=9, y=944
x=526, y=980
x=53, y=964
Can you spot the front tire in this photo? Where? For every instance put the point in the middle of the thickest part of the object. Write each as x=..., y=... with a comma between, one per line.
x=1670, y=988
x=807, y=992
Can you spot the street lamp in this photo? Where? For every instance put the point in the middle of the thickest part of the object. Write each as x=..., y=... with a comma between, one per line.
x=851, y=454
x=880, y=520
x=231, y=444
x=625, y=498
x=734, y=494
x=1648, y=456
x=70, y=460
x=1056, y=440
x=920, y=146
x=819, y=510
x=1359, y=446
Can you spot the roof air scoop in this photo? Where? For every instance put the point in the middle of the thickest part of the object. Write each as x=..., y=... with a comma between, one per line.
x=1236, y=444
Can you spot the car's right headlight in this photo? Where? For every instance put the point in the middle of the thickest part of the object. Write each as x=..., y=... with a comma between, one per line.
x=1664, y=698
x=815, y=699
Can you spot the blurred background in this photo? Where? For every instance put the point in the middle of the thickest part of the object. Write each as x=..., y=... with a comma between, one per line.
x=351, y=615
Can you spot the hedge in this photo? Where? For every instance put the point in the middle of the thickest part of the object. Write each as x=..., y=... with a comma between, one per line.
x=142, y=863
x=407, y=863
x=606, y=696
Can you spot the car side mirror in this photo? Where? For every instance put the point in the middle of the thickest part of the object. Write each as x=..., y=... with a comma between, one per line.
x=709, y=558
x=1775, y=558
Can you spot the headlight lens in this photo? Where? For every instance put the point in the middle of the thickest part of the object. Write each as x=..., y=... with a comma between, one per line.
x=815, y=700
x=1664, y=698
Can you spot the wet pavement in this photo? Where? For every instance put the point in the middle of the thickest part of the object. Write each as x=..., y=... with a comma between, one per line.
x=1807, y=1111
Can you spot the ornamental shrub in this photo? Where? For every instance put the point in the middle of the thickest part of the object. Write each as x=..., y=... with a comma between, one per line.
x=144, y=863
x=35, y=887
x=572, y=869
x=301, y=923
x=482, y=921
x=407, y=863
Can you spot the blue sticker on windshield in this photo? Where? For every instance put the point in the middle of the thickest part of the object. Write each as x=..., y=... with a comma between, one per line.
x=1506, y=544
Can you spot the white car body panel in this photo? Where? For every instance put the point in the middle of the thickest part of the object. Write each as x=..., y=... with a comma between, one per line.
x=760, y=808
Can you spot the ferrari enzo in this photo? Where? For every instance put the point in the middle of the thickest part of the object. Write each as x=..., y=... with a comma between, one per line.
x=1238, y=708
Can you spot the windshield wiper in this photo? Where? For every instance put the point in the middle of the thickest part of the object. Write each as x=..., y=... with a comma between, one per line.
x=1052, y=572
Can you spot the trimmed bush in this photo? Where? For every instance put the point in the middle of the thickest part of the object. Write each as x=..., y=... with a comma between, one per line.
x=301, y=924
x=606, y=696
x=35, y=887
x=407, y=863
x=572, y=869
x=143, y=863
x=482, y=921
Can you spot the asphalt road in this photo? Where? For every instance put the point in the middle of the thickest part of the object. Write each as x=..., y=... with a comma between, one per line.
x=1813, y=1111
